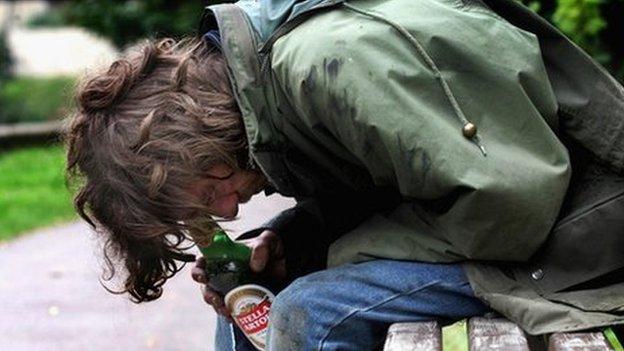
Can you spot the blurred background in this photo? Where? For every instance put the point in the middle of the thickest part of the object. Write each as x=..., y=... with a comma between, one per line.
x=50, y=297
x=50, y=263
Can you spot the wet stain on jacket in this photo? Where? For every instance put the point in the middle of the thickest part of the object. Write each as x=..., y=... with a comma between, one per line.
x=425, y=165
x=309, y=83
x=341, y=104
x=411, y=157
x=332, y=67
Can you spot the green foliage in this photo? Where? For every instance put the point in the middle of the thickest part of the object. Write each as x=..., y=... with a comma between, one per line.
x=34, y=99
x=47, y=19
x=125, y=22
x=32, y=190
x=455, y=336
x=533, y=5
x=595, y=25
x=582, y=21
x=6, y=60
x=592, y=24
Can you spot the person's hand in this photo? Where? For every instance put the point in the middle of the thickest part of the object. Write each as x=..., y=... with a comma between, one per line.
x=267, y=258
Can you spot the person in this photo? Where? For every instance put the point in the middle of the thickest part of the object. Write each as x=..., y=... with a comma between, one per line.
x=447, y=157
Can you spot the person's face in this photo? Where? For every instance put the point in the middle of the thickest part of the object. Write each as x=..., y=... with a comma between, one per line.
x=223, y=189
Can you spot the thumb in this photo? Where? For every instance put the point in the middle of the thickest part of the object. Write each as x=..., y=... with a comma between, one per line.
x=259, y=257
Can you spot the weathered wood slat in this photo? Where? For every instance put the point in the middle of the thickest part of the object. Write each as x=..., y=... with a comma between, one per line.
x=578, y=342
x=30, y=129
x=495, y=334
x=420, y=336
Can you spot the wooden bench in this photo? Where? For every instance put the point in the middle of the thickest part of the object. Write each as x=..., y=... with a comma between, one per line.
x=480, y=334
x=27, y=133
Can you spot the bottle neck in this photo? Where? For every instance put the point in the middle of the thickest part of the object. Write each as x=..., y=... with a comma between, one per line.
x=223, y=248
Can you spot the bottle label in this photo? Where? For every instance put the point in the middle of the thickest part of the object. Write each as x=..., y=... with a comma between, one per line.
x=249, y=305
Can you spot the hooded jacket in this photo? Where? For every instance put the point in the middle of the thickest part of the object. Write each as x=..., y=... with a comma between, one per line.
x=439, y=131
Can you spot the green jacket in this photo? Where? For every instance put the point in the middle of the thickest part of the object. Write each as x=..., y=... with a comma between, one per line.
x=372, y=94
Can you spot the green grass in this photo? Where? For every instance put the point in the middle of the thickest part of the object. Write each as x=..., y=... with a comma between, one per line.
x=32, y=190
x=26, y=99
x=455, y=336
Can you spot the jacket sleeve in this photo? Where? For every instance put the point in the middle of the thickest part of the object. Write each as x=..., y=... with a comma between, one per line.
x=371, y=96
x=308, y=228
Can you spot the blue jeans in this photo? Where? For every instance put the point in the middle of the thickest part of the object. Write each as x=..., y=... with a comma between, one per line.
x=351, y=307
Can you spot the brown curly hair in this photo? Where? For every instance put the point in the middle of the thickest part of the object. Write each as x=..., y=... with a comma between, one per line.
x=156, y=120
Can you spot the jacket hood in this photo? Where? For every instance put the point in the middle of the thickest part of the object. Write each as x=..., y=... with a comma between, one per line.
x=267, y=15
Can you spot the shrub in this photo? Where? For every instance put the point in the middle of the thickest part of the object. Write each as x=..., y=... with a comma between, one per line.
x=34, y=99
x=6, y=61
x=127, y=21
x=595, y=25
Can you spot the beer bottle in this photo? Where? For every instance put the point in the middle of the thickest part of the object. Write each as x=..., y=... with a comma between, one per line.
x=228, y=272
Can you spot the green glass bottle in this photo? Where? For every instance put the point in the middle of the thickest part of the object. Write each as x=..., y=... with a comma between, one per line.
x=228, y=272
x=227, y=263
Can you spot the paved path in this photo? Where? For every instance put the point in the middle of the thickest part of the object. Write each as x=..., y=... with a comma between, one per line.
x=50, y=298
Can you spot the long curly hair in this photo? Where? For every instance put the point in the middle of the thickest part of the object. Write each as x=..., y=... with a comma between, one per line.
x=155, y=120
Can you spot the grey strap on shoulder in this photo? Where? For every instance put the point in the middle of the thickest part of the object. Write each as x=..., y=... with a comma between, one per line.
x=238, y=43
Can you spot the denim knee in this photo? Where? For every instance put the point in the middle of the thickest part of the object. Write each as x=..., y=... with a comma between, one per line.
x=289, y=317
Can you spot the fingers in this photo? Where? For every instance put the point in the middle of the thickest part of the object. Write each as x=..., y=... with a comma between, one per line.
x=266, y=248
x=200, y=262
x=213, y=299
x=259, y=256
x=197, y=273
x=275, y=244
x=210, y=296
x=278, y=246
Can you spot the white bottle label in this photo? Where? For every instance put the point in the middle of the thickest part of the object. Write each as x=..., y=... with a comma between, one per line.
x=249, y=305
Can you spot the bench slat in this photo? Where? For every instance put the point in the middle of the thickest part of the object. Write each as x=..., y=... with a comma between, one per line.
x=495, y=334
x=30, y=129
x=578, y=342
x=420, y=336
